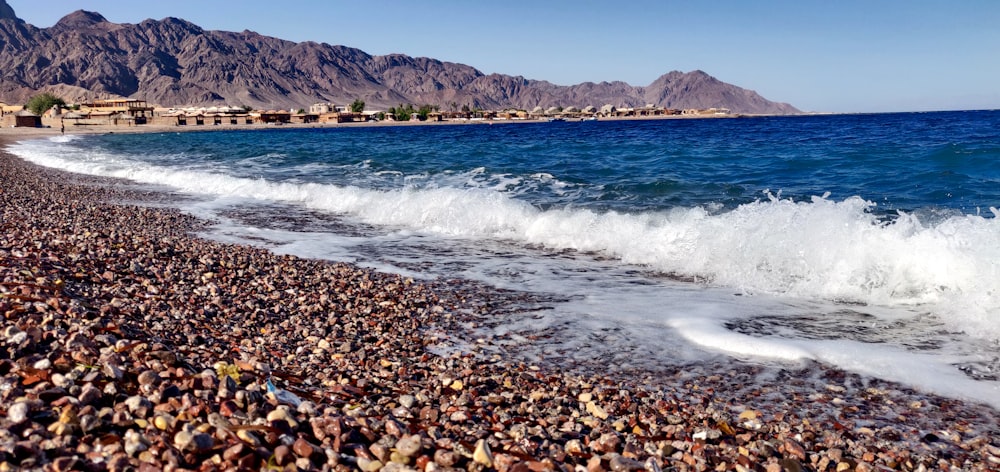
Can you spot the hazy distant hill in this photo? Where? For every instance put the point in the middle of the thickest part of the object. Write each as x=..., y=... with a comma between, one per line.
x=175, y=62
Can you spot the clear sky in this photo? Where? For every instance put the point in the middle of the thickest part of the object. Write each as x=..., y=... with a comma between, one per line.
x=818, y=55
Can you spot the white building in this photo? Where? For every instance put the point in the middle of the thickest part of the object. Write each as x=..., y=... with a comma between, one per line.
x=321, y=108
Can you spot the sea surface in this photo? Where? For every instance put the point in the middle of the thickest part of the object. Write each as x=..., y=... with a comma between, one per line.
x=866, y=242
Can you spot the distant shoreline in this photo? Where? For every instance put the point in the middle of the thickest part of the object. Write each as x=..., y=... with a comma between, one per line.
x=51, y=126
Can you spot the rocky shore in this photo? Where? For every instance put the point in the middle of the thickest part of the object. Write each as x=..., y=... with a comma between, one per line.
x=129, y=344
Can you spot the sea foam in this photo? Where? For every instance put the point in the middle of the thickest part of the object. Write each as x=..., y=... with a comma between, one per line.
x=824, y=249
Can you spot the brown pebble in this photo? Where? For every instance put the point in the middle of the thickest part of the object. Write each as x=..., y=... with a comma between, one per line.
x=149, y=377
x=791, y=465
x=282, y=455
x=608, y=442
x=89, y=395
x=302, y=448
x=445, y=458
x=795, y=449
x=234, y=452
x=409, y=445
x=429, y=414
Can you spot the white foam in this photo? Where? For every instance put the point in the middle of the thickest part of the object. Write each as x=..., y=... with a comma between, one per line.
x=820, y=249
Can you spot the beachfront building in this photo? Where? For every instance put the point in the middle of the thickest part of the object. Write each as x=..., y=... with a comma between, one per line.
x=123, y=109
x=269, y=117
x=27, y=119
x=73, y=117
x=570, y=112
x=304, y=118
x=705, y=111
x=192, y=116
x=321, y=108
x=647, y=111
x=329, y=117
x=512, y=114
x=55, y=112
x=455, y=115
x=342, y=117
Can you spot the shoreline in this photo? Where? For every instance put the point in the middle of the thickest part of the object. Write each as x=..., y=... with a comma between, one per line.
x=130, y=342
x=51, y=125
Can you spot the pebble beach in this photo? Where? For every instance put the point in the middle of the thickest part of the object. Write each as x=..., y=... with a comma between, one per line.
x=129, y=343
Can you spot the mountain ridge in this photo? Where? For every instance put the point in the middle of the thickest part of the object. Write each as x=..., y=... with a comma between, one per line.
x=177, y=63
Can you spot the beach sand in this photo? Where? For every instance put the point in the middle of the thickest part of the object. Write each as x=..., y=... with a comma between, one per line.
x=129, y=343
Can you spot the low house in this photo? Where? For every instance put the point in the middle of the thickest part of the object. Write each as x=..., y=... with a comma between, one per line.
x=240, y=119
x=27, y=119
x=351, y=117
x=75, y=116
x=305, y=118
x=329, y=117
x=273, y=117
x=171, y=117
x=570, y=112
x=456, y=115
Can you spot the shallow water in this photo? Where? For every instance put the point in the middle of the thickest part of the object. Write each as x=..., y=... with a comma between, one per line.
x=867, y=242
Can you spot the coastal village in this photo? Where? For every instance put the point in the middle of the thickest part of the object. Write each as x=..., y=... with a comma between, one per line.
x=135, y=112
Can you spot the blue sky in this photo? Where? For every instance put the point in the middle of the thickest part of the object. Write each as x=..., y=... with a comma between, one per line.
x=836, y=56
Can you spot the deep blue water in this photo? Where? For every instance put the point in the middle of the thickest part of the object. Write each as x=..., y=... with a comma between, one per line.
x=870, y=242
x=899, y=161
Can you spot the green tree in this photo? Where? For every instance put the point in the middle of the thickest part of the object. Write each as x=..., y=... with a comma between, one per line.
x=403, y=113
x=358, y=106
x=424, y=111
x=301, y=111
x=43, y=102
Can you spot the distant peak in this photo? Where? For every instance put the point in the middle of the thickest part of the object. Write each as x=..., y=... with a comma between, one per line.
x=172, y=20
x=80, y=19
x=6, y=12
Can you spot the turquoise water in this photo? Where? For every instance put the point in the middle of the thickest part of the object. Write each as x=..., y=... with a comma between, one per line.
x=870, y=242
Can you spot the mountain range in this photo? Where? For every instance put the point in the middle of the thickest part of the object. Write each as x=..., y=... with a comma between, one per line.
x=173, y=62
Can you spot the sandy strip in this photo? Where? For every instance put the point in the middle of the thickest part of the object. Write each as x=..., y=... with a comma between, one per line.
x=128, y=343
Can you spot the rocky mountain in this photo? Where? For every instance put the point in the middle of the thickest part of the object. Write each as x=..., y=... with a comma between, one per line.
x=6, y=12
x=176, y=63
